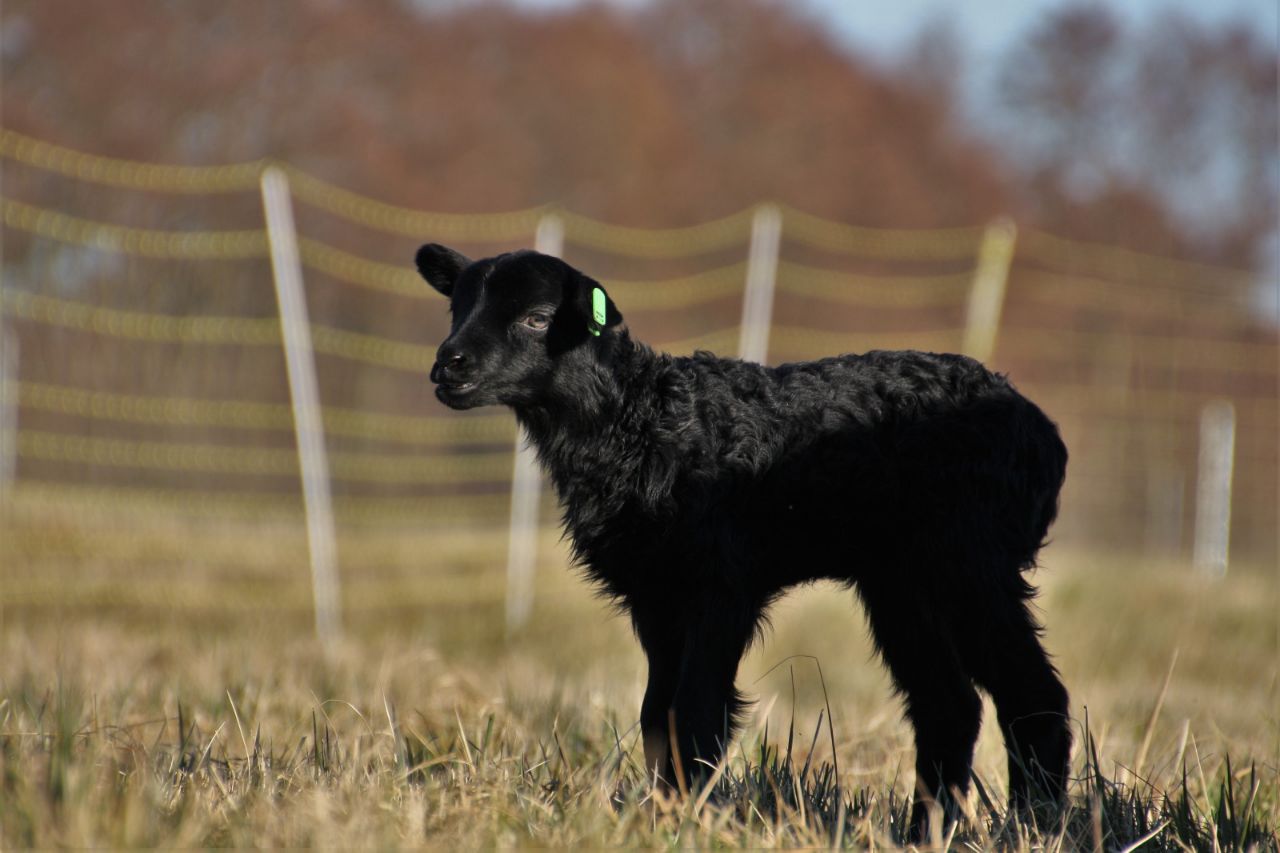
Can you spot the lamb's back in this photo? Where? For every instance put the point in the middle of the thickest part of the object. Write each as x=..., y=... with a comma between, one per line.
x=803, y=400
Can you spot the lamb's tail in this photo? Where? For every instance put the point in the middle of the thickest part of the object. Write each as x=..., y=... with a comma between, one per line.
x=1047, y=471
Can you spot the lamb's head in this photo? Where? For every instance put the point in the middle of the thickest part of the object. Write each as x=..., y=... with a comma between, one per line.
x=520, y=322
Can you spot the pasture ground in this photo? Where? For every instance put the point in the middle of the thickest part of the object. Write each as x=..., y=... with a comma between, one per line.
x=142, y=704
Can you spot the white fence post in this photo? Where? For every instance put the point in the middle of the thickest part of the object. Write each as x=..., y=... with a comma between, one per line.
x=526, y=484
x=300, y=361
x=1213, y=487
x=986, y=297
x=762, y=274
x=8, y=394
x=8, y=408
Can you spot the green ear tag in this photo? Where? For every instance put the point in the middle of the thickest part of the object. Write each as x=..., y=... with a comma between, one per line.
x=598, y=313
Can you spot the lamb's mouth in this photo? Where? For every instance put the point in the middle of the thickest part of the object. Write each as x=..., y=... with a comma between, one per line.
x=450, y=393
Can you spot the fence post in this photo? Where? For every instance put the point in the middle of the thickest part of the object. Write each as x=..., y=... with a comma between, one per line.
x=526, y=484
x=986, y=297
x=309, y=430
x=8, y=394
x=762, y=274
x=1213, y=487
x=8, y=407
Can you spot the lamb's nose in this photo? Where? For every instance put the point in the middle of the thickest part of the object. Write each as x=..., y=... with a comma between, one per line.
x=448, y=360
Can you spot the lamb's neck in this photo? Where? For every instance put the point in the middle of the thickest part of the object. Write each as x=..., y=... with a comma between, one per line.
x=598, y=432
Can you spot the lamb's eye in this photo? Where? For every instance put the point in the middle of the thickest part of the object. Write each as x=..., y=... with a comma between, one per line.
x=536, y=320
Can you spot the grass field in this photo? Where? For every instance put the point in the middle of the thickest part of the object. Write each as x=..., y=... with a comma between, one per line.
x=160, y=687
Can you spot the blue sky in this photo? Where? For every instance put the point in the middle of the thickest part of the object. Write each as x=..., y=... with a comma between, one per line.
x=988, y=26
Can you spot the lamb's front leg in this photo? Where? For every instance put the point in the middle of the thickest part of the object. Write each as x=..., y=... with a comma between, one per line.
x=706, y=707
x=662, y=637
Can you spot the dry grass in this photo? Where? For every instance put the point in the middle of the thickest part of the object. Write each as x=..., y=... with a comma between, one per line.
x=184, y=703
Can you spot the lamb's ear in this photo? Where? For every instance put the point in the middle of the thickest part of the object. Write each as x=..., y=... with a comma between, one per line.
x=592, y=303
x=440, y=266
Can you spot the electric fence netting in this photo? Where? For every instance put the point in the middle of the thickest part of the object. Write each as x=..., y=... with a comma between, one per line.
x=154, y=433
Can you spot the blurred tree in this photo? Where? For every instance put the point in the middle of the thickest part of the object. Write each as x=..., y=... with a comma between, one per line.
x=1164, y=135
x=671, y=112
x=934, y=65
x=1060, y=85
x=1209, y=100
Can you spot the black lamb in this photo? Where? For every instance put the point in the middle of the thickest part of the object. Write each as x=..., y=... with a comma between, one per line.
x=697, y=490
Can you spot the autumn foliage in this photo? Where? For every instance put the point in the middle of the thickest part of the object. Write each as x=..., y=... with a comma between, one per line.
x=672, y=113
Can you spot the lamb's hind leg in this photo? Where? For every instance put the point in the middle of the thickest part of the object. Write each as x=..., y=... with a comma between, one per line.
x=941, y=703
x=1003, y=653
